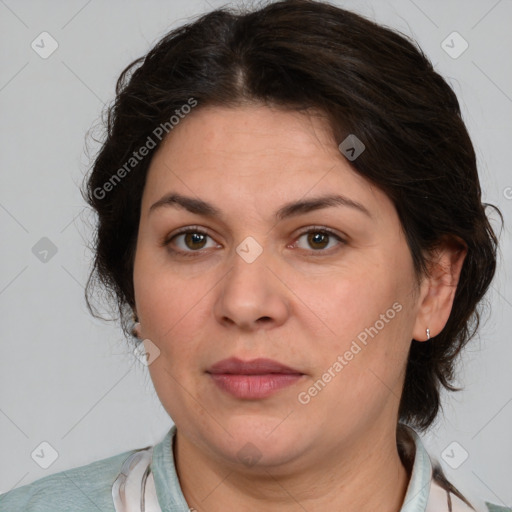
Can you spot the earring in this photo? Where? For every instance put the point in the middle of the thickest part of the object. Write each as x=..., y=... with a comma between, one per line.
x=428, y=333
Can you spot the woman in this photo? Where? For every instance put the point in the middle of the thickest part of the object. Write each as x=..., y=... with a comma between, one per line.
x=289, y=206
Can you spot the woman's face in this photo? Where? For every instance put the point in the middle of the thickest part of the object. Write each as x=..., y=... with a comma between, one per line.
x=263, y=279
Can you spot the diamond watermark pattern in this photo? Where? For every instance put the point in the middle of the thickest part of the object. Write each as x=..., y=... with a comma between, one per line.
x=249, y=249
x=146, y=352
x=44, y=455
x=454, y=455
x=352, y=147
x=249, y=454
x=44, y=250
x=454, y=45
x=44, y=45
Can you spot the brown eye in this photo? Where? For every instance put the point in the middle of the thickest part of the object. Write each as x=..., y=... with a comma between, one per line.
x=188, y=242
x=318, y=240
x=194, y=240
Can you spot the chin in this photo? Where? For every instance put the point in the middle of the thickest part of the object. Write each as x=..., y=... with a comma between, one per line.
x=259, y=442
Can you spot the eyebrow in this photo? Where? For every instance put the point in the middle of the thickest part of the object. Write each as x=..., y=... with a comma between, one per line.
x=200, y=207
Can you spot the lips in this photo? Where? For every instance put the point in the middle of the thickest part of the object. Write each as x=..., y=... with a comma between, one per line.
x=259, y=366
x=252, y=380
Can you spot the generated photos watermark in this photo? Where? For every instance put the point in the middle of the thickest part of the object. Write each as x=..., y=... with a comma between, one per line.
x=304, y=397
x=137, y=156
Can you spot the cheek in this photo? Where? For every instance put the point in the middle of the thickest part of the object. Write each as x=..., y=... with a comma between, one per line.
x=162, y=296
x=360, y=329
x=175, y=315
x=347, y=302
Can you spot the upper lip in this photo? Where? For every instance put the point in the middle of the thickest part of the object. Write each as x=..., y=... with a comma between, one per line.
x=253, y=367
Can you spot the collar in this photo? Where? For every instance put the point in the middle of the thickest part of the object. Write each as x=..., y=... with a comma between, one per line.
x=418, y=490
x=148, y=481
x=167, y=484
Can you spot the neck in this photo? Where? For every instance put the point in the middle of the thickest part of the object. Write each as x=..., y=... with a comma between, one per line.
x=363, y=475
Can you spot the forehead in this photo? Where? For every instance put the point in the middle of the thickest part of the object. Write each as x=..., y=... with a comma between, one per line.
x=253, y=157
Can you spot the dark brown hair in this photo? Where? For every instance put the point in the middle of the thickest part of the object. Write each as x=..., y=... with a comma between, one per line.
x=367, y=80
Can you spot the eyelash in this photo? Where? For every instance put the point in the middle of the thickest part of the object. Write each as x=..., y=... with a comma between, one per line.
x=198, y=230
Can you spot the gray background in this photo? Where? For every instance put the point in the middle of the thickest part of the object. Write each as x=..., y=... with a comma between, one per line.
x=69, y=379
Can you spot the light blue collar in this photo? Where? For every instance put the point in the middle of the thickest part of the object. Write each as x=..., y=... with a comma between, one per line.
x=418, y=490
x=167, y=485
x=171, y=496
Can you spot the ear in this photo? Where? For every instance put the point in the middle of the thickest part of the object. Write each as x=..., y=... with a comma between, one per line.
x=136, y=326
x=136, y=330
x=438, y=287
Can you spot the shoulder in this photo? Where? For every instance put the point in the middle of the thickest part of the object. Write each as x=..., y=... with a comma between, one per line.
x=438, y=500
x=442, y=495
x=491, y=507
x=439, y=496
x=83, y=488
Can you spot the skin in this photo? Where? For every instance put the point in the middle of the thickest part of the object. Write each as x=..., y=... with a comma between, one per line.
x=301, y=309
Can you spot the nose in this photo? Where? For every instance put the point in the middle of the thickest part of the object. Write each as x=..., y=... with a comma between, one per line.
x=252, y=295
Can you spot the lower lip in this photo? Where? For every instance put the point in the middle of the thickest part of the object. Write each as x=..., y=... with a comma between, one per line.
x=254, y=386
